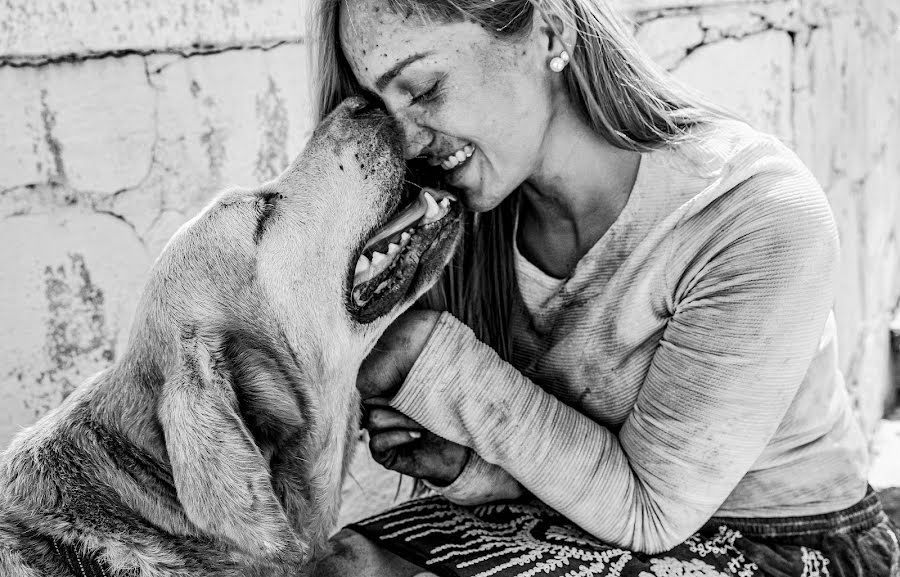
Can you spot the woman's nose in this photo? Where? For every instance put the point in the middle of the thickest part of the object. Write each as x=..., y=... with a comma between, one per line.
x=416, y=138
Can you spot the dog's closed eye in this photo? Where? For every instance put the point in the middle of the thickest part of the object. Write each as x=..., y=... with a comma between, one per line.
x=265, y=208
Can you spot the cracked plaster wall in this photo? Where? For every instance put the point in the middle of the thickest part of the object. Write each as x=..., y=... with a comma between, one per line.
x=824, y=75
x=107, y=148
x=121, y=119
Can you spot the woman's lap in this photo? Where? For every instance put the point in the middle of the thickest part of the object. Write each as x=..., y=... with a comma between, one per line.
x=526, y=538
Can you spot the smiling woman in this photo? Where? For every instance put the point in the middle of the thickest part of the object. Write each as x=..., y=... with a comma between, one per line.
x=636, y=331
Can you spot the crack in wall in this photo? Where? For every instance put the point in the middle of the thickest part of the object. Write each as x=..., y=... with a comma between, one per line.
x=14, y=61
x=45, y=197
x=646, y=15
x=713, y=35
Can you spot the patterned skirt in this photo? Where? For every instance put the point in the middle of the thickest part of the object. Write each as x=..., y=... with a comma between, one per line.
x=523, y=539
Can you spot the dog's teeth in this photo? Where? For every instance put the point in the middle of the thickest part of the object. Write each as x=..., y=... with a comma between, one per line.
x=461, y=156
x=445, y=204
x=432, y=210
x=404, y=237
x=393, y=249
x=469, y=150
x=378, y=258
x=362, y=264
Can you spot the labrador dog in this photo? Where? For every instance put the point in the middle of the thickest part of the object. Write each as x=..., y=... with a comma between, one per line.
x=216, y=445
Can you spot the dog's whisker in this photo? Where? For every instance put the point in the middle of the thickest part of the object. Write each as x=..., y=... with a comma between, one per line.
x=407, y=181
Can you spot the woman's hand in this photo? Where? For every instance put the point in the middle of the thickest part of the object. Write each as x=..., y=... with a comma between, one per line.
x=403, y=445
x=386, y=367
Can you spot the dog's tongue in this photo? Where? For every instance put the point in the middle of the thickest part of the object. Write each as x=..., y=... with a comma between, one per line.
x=424, y=205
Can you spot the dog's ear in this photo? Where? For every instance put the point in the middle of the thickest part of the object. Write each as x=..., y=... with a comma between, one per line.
x=222, y=480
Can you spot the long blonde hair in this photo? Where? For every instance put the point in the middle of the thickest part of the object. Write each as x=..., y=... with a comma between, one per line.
x=625, y=97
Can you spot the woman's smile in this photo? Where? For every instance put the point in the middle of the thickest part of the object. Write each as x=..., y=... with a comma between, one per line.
x=458, y=158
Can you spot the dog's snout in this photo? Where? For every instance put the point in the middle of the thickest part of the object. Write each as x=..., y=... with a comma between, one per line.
x=363, y=125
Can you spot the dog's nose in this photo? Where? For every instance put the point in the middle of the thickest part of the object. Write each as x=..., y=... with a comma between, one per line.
x=359, y=105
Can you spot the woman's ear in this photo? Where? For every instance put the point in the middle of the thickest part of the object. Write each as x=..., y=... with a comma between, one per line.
x=557, y=33
x=221, y=478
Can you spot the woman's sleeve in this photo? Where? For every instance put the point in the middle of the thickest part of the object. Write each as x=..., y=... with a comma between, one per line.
x=744, y=326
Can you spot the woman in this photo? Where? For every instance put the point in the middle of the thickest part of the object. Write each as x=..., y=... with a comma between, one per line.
x=639, y=331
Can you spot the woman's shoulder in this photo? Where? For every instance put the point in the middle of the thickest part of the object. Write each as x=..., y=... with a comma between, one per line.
x=722, y=149
x=743, y=168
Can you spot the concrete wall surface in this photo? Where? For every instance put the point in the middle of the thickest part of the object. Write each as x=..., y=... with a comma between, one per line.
x=121, y=119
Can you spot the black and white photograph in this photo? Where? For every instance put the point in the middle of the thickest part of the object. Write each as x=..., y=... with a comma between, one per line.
x=450, y=288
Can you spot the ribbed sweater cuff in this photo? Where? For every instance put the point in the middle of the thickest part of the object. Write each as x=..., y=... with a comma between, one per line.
x=433, y=377
x=460, y=389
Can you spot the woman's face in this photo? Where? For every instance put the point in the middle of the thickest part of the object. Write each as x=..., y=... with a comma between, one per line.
x=475, y=106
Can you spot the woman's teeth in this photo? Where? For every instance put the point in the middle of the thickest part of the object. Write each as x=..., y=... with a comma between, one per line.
x=458, y=157
x=367, y=269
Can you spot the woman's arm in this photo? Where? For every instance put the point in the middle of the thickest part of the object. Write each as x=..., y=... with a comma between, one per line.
x=740, y=338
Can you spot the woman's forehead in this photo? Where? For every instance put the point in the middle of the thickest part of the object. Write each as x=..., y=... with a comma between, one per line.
x=375, y=38
x=370, y=22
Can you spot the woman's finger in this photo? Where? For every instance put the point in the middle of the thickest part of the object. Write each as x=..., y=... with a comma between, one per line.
x=385, y=441
x=377, y=402
x=378, y=375
x=381, y=418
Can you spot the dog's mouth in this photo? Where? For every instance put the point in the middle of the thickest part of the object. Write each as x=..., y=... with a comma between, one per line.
x=413, y=244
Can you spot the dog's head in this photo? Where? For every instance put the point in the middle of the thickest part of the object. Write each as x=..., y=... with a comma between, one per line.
x=257, y=318
x=293, y=246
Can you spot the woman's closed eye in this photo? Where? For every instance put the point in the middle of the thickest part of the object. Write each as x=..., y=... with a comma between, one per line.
x=429, y=95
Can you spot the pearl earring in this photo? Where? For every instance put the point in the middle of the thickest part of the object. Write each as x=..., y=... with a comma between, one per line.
x=557, y=63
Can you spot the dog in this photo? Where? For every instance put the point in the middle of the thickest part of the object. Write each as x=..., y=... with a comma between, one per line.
x=217, y=443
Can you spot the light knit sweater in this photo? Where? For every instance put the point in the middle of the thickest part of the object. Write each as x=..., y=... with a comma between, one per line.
x=686, y=369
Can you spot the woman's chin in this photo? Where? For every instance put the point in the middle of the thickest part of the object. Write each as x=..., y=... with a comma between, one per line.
x=478, y=196
x=476, y=201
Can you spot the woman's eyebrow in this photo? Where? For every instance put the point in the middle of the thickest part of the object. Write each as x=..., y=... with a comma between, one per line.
x=397, y=68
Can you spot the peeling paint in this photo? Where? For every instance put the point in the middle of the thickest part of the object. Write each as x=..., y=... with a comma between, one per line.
x=75, y=330
x=56, y=149
x=271, y=113
x=214, y=142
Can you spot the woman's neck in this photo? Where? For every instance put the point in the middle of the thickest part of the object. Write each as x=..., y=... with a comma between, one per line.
x=575, y=194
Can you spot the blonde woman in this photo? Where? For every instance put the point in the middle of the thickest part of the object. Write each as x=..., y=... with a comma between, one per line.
x=636, y=355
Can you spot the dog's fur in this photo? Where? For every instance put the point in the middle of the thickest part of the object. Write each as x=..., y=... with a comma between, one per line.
x=217, y=444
